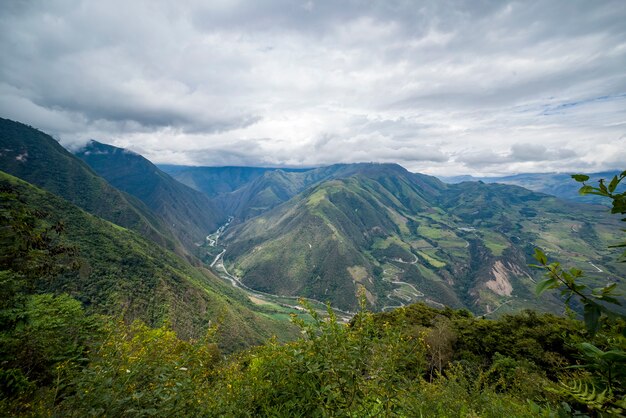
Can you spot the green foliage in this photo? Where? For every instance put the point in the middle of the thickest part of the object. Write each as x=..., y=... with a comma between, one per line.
x=439, y=340
x=52, y=331
x=538, y=339
x=335, y=369
x=587, y=394
x=137, y=371
x=55, y=330
x=609, y=191
x=370, y=367
x=376, y=365
x=603, y=355
x=463, y=392
x=568, y=282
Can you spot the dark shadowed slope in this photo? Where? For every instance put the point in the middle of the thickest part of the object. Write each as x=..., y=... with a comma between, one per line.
x=190, y=214
x=36, y=157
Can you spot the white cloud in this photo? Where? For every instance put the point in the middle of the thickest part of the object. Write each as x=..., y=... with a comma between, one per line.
x=444, y=87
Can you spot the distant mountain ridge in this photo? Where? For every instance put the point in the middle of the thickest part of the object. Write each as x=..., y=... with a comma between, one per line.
x=213, y=181
x=556, y=184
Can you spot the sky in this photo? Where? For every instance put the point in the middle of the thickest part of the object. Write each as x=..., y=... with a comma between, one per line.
x=442, y=87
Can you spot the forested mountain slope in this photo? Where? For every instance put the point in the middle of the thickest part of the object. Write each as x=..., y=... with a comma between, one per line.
x=37, y=158
x=117, y=272
x=190, y=214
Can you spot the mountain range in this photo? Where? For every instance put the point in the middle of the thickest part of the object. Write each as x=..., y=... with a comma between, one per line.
x=406, y=237
x=169, y=242
x=118, y=263
x=324, y=233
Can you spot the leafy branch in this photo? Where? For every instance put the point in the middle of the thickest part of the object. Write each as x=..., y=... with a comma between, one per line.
x=619, y=199
x=606, y=390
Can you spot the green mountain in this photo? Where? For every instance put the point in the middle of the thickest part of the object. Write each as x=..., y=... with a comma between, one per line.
x=190, y=214
x=36, y=157
x=406, y=237
x=273, y=188
x=245, y=192
x=556, y=184
x=115, y=271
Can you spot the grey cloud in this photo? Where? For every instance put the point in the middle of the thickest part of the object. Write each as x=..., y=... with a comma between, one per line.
x=413, y=154
x=528, y=152
x=480, y=158
x=224, y=157
x=537, y=152
x=519, y=153
x=439, y=85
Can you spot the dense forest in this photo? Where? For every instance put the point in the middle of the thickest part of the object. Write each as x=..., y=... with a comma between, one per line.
x=60, y=358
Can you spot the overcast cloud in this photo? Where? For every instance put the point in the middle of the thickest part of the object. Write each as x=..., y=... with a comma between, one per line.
x=442, y=87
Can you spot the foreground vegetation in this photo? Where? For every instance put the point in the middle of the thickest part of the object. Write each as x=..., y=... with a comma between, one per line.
x=414, y=361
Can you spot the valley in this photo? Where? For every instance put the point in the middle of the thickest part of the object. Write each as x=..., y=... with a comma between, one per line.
x=405, y=293
x=380, y=219
x=328, y=233
x=285, y=306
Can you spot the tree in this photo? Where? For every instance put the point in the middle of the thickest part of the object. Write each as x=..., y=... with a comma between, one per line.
x=439, y=342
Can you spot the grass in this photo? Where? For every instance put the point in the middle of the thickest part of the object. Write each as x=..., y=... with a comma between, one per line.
x=430, y=232
x=382, y=244
x=427, y=273
x=431, y=259
x=495, y=242
x=420, y=244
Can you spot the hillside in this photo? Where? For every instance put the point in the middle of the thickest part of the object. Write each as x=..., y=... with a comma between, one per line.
x=37, y=158
x=190, y=214
x=407, y=237
x=117, y=272
x=273, y=188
